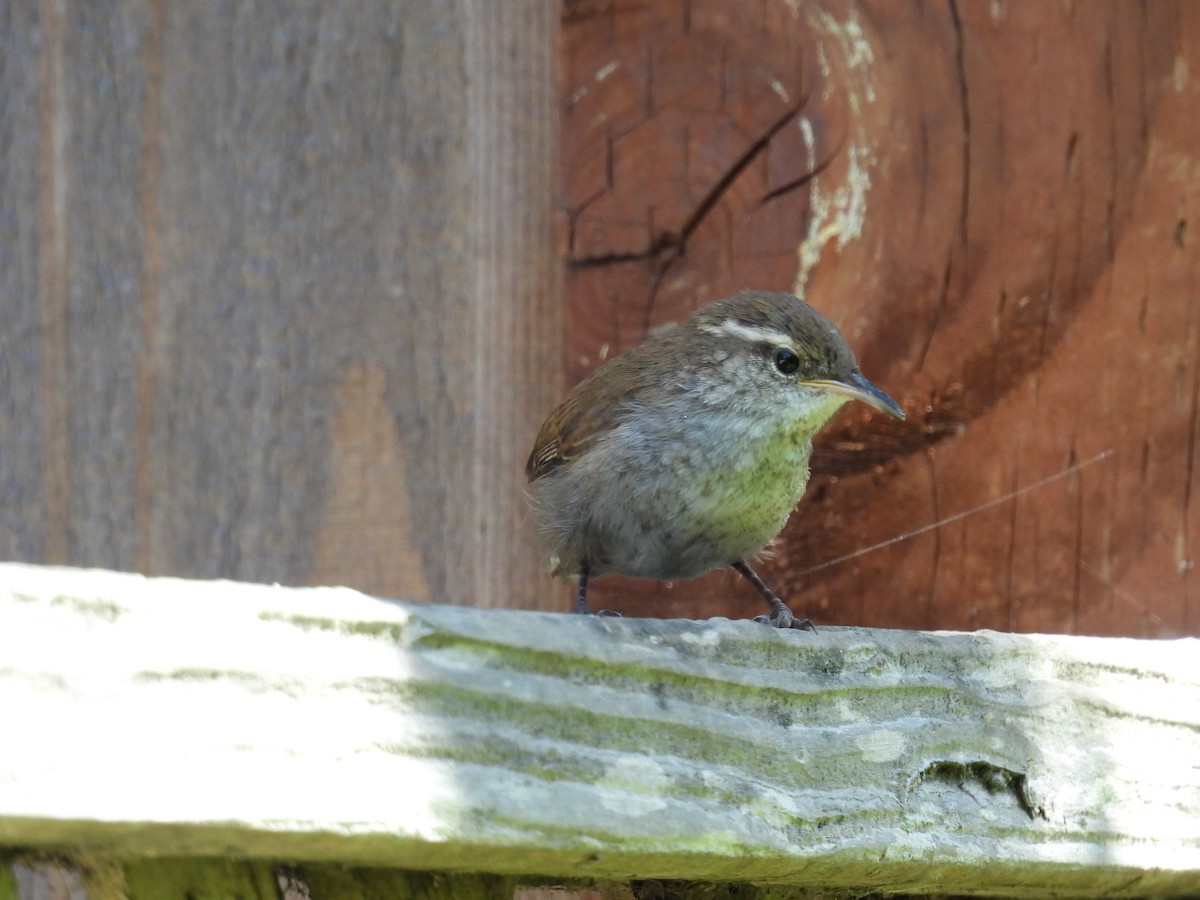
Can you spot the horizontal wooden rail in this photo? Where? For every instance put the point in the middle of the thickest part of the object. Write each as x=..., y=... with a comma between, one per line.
x=154, y=717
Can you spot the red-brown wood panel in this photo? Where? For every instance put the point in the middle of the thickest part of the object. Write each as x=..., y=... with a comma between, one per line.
x=993, y=201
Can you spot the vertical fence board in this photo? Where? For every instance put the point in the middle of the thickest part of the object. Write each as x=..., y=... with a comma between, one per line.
x=279, y=285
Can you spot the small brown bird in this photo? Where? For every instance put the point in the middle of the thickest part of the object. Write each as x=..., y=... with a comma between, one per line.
x=690, y=451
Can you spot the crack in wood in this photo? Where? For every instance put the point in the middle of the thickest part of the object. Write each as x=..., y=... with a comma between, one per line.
x=965, y=105
x=804, y=179
x=673, y=244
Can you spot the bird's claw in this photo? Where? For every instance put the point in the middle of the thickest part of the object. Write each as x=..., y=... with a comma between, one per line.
x=784, y=618
x=584, y=611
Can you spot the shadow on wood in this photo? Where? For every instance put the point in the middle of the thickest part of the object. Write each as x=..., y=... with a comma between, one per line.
x=166, y=718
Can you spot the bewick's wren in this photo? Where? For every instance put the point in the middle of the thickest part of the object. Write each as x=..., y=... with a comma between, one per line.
x=690, y=451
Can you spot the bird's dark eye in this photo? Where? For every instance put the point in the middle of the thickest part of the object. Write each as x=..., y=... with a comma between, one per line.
x=786, y=361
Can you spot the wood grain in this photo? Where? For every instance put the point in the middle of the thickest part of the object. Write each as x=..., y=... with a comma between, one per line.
x=184, y=724
x=992, y=201
x=261, y=261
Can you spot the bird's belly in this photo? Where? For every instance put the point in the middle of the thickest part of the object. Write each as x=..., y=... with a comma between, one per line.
x=708, y=515
x=740, y=511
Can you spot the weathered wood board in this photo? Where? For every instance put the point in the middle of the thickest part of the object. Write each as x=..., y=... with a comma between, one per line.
x=280, y=289
x=167, y=718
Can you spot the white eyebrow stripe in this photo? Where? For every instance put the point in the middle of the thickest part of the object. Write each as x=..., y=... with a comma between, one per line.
x=754, y=333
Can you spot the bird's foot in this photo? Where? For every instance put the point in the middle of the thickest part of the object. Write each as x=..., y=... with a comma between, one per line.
x=584, y=611
x=782, y=617
x=581, y=607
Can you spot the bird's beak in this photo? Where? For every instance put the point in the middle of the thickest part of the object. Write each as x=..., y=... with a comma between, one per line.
x=854, y=385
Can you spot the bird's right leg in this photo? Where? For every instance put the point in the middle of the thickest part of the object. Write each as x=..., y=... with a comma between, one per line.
x=781, y=616
x=581, y=607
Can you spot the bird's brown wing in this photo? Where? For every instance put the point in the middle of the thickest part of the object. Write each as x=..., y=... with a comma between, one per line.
x=570, y=430
x=592, y=409
x=604, y=399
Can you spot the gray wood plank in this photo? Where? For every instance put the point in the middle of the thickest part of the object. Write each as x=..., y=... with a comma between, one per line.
x=161, y=717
